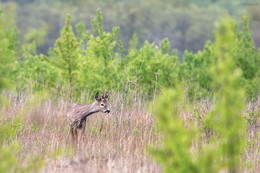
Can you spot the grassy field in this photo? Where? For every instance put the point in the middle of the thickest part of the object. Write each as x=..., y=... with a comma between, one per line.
x=114, y=142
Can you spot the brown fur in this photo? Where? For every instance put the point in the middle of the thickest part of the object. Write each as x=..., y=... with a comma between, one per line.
x=78, y=113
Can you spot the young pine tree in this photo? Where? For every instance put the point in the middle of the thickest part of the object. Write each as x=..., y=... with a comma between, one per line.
x=65, y=56
x=195, y=68
x=226, y=117
x=8, y=45
x=223, y=149
x=99, y=67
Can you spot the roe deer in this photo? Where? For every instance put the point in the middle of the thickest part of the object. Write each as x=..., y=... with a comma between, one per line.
x=78, y=113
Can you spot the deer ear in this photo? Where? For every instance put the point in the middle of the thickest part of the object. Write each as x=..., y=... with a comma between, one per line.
x=97, y=97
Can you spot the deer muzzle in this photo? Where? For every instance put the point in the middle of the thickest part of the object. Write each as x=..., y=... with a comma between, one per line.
x=107, y=111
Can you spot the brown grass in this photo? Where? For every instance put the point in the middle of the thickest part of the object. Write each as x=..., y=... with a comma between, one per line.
x=109, y=145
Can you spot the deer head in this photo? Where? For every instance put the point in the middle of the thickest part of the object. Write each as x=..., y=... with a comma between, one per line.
x=102, y=102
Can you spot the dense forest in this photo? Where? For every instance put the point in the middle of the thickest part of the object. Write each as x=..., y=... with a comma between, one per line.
x=184, y=79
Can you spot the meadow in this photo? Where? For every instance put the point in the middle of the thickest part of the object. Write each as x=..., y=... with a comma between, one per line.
x=199, y=115
x=109, y=144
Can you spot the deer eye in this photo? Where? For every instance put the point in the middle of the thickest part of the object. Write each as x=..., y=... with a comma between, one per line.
x=102, y=104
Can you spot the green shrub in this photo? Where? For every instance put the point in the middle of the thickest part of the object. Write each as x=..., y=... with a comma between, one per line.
x=223, y=148
x=8, y=46
x=195, y=70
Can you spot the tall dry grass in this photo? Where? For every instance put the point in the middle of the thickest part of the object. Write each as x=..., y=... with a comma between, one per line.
x=110, y=143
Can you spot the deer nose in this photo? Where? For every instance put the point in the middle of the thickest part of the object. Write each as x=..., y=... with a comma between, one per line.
x=107, y=111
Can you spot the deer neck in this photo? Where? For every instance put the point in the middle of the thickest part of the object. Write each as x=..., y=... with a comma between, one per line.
x=90, y=109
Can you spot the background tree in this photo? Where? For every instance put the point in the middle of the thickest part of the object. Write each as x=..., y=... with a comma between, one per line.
x=8, y=45
x=99, y=66
x=65, y=56
x=187, y=24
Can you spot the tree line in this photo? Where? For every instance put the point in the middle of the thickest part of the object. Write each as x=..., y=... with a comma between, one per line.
x=90, y=61
x=187, y=24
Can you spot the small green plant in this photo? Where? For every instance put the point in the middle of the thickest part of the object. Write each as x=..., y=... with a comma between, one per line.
x=136, y=131
x=94, y=130
x=35, y=126
x=196, y=112
x=251, y=118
